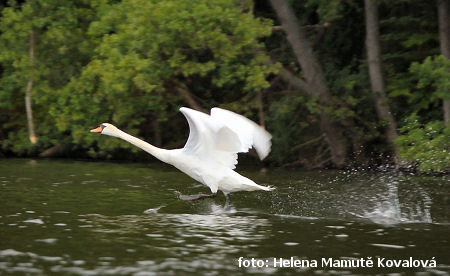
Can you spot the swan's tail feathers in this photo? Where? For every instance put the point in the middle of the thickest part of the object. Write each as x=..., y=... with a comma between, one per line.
x=268, y=188
x=237, y=182
x=256, y=187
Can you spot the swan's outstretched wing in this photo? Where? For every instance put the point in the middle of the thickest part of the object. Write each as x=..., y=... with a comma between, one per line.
x=210, y=139
x=250, y=134
x=222, y=135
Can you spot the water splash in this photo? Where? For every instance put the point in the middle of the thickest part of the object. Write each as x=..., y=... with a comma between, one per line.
x=382, y=198
x=388, y=209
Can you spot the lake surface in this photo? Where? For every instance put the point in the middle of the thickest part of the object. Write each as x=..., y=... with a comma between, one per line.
x=99, y=218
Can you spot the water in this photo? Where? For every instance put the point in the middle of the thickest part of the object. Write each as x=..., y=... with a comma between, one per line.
x=97, y=218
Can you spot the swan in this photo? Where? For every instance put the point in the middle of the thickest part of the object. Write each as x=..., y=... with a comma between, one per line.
x=210, y=153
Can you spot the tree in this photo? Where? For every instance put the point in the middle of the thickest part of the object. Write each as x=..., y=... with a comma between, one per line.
x=28, y=106
x=376, y=76
x=153, y=57
x=314, y=77
x=444, y=39
x=42, y=47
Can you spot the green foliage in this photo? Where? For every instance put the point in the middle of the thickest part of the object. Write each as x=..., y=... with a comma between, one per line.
x=290, y=125
x=408, y=31
x=60, y=49
x=433, y=76
x=328, y=11
x=149, y=49
x=426, y=145
x=122, y=62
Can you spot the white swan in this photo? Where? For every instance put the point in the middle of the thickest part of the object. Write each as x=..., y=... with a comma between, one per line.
x=210, y=153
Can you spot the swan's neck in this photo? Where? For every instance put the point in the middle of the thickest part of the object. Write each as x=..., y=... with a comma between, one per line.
x=159, y=153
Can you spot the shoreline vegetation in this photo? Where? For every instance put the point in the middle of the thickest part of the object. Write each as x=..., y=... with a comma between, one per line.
x=339, y=84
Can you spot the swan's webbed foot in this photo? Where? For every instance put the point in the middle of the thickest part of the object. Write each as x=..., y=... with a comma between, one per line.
x=197, y=197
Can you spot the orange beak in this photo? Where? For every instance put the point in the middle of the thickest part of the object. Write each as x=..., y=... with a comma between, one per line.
x=97, y=130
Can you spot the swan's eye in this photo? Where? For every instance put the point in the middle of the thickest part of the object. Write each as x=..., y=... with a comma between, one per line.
x=103, y=126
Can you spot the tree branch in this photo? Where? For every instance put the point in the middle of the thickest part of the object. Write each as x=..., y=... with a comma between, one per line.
x=189, y=99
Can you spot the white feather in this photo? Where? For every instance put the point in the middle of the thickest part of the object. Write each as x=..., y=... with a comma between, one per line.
x=250, y=134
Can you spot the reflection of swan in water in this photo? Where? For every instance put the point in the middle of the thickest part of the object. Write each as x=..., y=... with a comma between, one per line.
x=197, y=232
x=182, y=242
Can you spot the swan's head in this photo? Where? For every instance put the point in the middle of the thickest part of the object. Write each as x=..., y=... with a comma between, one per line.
x=107, y=129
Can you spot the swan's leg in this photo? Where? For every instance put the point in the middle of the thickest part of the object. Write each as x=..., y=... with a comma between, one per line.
x=197, y=197
x=227, y=201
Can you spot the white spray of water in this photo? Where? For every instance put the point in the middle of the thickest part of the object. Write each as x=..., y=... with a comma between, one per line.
x=389, y=210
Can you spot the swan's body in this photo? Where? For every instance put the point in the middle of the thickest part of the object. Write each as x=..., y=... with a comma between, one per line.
x=210, y=154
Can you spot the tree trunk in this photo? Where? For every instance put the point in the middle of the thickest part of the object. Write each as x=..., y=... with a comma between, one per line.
x=28, y=107
x=376, y=76
x=314, y=77
x=444, y=39
x=55, y=151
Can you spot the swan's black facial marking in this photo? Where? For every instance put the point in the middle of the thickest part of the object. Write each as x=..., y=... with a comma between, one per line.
x=103, y=126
